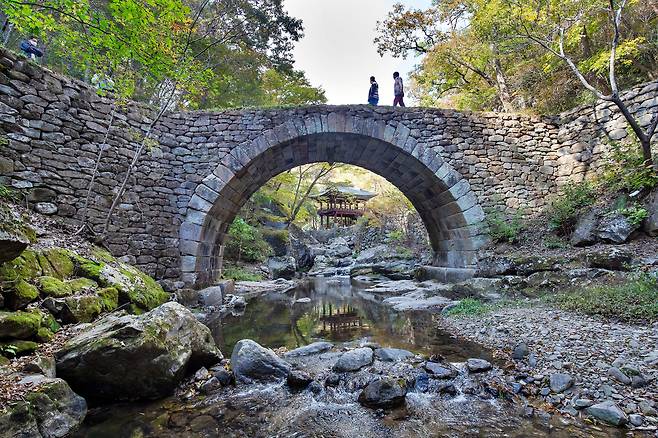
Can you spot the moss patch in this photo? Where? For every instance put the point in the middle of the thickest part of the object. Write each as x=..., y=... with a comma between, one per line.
x=103, y=255
x=19, y=325
x=144, y=292
x=54, y=287
x=46, y=267
x=22, y=295
x=44, y=335
x=61, y=260
x=88, y=269
x=80, y=285
x=109, y=298
x=84, y=308
x=17, y=348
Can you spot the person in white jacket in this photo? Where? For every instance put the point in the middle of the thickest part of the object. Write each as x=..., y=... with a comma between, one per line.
x=398, y=90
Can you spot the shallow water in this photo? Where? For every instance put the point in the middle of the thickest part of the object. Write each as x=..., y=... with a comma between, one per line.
x=339, y=311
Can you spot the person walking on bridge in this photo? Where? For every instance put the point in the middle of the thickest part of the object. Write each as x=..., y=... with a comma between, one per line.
x=398, y=90
x=373, y=94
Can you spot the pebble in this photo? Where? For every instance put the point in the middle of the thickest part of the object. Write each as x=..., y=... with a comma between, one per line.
x=620, y=377
x=560, y=382
x=636, y=420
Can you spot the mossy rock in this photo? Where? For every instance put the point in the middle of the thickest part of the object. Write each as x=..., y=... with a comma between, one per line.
x=61, y=260
x=277, y=239
x=103, y=255
x=15, y=234
x=144, y=292
x=79, y=285
x=75, y=309
x=54, y=287
x=88, y=268
x=48, y=321
x=18, y=348
x=28, y=264
x=44, y=335
x=46, y=268
x=110, y=298
x=133, y=286
x=19, y=325
x=24, y=267
x=21, y=295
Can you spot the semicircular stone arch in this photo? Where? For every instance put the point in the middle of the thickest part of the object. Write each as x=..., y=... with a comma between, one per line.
x=448, y=207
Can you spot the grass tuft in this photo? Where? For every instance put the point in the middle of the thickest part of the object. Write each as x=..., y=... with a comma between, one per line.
x=636, y=300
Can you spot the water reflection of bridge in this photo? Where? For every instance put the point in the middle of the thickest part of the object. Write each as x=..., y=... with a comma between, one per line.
x=340, y=318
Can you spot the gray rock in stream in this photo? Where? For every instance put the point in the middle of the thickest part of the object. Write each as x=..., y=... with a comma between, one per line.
x=392, y=354
x=307, y=350
x=440, y=371
x=250, y=361
x=478, y=365
x=608, y=412
x=383, y=392
x=354, y=360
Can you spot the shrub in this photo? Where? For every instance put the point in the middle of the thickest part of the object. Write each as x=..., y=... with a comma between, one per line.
x=625, y=169
x=6, y=193
x=239, y=274
x=468, y=307
x=564, y=209
x=245, y=243
x=395, y=237
x=635, y=214
x=503, y=228
x=554, y=242
x=631, y=301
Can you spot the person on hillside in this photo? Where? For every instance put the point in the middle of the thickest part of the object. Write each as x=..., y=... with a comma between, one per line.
x=31, y=49
x=398, y=90
x=373, y=94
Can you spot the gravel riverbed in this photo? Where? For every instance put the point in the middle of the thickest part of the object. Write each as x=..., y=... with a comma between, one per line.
x=572, y=361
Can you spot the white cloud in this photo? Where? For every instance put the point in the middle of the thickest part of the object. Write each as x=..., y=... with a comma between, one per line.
x=337, y=51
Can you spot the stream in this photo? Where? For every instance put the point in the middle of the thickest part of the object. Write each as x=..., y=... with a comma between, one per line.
x=343, y=312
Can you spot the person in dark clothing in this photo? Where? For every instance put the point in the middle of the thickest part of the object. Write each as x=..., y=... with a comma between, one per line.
x=398, y=90
x=373, y=94
x=30, y=48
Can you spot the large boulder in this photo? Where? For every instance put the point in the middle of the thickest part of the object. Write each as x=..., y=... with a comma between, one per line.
x=393, y=354
x=50, y=409
x=282, y=267
x=128, y=357
x=383, y=392
x=615, y=228
x=614, y=259
x=584, y=232
x=250, y=361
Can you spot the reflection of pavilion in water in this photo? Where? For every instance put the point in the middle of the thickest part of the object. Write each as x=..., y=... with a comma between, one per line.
x=340, y=321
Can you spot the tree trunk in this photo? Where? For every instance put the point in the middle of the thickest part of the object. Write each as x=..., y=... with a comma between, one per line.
x=501, y=86
x=643, y=137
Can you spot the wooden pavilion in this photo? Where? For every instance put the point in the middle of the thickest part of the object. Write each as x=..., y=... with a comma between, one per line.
x=341, y=205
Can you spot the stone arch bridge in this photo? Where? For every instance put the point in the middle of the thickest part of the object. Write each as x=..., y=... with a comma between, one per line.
x=185, y=192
